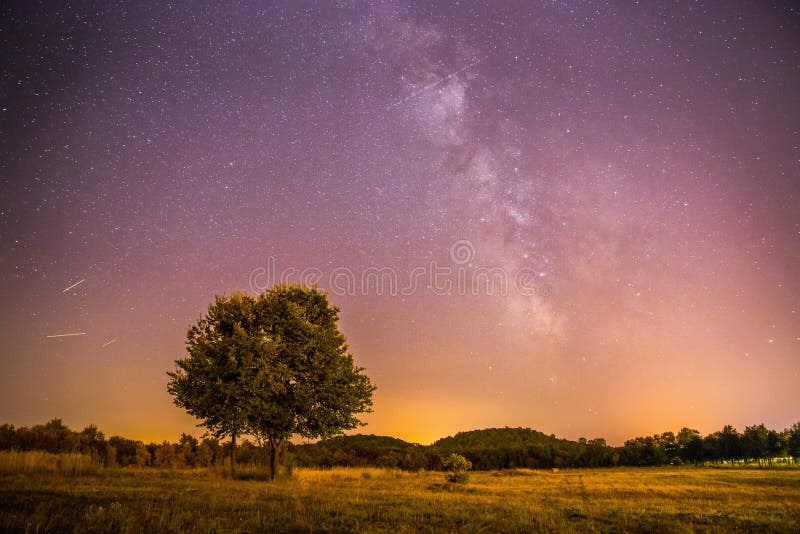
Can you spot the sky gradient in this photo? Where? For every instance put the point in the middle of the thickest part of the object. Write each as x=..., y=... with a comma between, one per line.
x=631, y=170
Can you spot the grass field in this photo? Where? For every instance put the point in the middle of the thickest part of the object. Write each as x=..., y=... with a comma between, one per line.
x=373, y=500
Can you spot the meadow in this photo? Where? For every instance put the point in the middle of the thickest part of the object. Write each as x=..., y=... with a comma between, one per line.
x=43, y=495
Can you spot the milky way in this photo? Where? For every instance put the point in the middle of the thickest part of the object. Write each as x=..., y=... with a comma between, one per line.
x=609, y=191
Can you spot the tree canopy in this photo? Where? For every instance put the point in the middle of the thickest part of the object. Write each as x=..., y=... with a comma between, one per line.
x=271, y=366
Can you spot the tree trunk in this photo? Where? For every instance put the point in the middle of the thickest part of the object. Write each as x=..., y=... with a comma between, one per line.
x=274, y=449
x=233, y=455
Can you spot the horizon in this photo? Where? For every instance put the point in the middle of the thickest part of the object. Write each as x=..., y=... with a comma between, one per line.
x=364, y=431
x=580, y=219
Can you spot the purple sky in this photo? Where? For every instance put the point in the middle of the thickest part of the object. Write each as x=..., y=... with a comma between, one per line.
x=631, y=170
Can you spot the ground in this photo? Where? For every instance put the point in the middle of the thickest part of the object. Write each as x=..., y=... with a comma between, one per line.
x=683, y=499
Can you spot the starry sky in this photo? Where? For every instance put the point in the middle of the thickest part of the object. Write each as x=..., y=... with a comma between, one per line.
x=630, y=169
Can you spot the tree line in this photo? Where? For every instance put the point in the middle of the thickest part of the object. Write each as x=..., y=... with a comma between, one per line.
x=510, y=448
x=516, y=447
x=116, y=451
x=490, y=449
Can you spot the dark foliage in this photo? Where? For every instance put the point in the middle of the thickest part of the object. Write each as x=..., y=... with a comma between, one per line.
x=490, y=449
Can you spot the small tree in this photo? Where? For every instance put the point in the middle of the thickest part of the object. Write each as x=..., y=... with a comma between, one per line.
x=730, y=444
x=794, y=441
x=754, y=442
x=456, y=467
x=92, y=441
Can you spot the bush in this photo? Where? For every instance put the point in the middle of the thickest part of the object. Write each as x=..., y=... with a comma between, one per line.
x=456, y=467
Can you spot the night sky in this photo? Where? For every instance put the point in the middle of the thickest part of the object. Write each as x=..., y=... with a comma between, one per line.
x=631, y=169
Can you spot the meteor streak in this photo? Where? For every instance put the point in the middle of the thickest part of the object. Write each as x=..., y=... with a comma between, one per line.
x=436, y=83
x=67, y=335
x=76, y=284
x=107, y=343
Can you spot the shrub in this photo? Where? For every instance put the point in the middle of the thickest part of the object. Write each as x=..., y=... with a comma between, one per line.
x=456, y=467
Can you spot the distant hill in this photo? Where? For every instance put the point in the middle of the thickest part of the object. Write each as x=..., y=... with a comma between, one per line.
x=361, y=450
x=367, y=441
x=492, y=448
x=496, y=438
x=503, y=448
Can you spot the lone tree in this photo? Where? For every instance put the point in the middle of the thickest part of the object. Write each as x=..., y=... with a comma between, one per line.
x=273, y=367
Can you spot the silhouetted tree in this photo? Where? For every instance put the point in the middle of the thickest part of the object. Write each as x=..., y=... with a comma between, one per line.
x=668, y=444
x=53, y=436
x=711, y=448
x=124, y=451
x=794, y=442
x=754, y=442
x=730, y=444
x=92, y=441
x=690, y=445
x=9, y=438
x=776, y=445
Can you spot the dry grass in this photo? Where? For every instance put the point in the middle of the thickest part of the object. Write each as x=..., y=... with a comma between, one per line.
x=72, y=464
x=378, y=500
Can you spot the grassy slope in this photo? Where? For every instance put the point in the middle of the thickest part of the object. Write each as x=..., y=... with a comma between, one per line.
x=625, y=499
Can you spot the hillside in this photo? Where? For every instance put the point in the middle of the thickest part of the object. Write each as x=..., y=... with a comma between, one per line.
x=496, y=438
x=360, y=450
x=493, y=448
